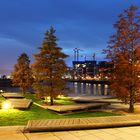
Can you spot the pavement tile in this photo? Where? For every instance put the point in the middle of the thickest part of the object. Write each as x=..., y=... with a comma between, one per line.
x=90, y=137
x=60, y=133
x=106, y=136
x=41, y=136
x=93, y=131
x=12, y=136
x=78, y=133
x=11, y=133
x=110, y=131
x=138, y=134
x=137, y=128
x=68, y=137
x=130, y=131
x=126, y=136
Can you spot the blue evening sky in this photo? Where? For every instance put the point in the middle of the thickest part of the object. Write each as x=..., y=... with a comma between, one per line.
x=85, y=24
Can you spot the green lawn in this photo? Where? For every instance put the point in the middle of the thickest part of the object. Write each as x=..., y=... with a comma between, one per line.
x=2, y=98
x=21, y=117
x=62, y=100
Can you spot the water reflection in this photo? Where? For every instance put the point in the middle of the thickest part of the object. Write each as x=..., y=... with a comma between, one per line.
x=88, y=88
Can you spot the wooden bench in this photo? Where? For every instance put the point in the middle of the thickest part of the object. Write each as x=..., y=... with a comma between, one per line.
x=12, y=95
x=76, y=107
x=82, y=123
x=20, y=103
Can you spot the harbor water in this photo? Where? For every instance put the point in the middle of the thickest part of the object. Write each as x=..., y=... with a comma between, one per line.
x=88, y=88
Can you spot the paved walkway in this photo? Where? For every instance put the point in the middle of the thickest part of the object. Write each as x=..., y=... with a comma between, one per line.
x=123, y=133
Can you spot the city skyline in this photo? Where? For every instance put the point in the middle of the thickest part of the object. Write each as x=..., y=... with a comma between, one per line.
x=79, y=24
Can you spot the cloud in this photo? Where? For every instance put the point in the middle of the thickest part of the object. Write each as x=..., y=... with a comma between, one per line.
x=11, y=49
x=79, y=23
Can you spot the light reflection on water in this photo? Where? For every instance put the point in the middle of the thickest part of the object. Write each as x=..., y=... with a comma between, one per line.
x=88, y=88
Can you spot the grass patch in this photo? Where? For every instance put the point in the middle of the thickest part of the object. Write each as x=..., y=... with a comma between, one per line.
x=20, y=117
x=33, y=98
x=2, y=98
x=63, y=100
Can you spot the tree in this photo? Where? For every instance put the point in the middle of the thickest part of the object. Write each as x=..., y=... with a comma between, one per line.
x=22, y=74
x=123, y=52
x=49, y=68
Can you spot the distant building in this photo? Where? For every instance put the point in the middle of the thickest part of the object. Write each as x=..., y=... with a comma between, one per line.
x=84, y=69
x=104, y=69
x=90, y=69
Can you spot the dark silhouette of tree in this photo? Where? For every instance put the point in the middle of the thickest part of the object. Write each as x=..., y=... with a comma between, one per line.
x=123, y=52
x=49, y=68
x=22, y=74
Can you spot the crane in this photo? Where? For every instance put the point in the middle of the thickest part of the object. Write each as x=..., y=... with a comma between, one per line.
x=76, y=54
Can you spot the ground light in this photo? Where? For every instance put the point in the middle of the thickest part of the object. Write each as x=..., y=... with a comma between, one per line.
x=48, y=98
x=6, y=105
x=60, y=96
x=1, y=91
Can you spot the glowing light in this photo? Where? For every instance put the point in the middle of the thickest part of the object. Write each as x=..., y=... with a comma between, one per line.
x=6, y=105
x=48, y=98
x=1, y=91
x=8, y=76
x=60, y=96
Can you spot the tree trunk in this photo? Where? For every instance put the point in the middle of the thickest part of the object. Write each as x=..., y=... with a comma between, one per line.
x=51, y=94
x=132, y=91
x=131, y=104
x=51, y=100
x=23, y=91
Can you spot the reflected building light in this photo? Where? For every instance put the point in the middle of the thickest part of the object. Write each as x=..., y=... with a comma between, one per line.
x=75, y=83
x=106, y=86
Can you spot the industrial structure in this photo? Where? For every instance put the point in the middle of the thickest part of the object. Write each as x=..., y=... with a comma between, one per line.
x=89, y=69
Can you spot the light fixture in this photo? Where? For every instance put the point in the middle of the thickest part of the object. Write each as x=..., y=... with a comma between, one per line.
x=6, y=105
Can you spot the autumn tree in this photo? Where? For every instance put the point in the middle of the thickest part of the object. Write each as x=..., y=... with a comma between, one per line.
x=49, y=68
x=123, y=53
x=22, y=74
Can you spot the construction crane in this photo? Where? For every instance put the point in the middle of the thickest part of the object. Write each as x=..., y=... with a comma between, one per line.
x=93, y=56
x=76, y=54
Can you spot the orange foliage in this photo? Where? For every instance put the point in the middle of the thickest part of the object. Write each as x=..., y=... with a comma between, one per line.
x=124, y=52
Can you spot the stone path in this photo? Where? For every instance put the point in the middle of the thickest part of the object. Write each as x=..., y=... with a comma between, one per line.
x=82, y=123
